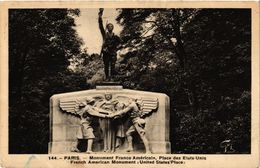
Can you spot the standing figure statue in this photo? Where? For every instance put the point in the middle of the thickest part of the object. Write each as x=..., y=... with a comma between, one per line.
x=106, y=125
x=138, y=124
x=120, y=126
x=110, y=46
x=87, y=113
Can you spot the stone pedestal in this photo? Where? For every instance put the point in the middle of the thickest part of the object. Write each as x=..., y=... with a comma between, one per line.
x=63, y=125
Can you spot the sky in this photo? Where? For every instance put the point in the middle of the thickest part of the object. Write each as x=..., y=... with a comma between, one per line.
x=88, y=30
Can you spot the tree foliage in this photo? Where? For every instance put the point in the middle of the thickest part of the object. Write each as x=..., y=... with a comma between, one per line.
x=201, y=58
x=41, y=44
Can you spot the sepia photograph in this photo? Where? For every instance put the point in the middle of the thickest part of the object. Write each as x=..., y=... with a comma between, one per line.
x=199, y=58
x=106, y=83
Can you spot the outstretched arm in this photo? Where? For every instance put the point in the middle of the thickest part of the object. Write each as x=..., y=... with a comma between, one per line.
x=94, y=111
x=122, y=112
x=100, y=23
x=98, y=112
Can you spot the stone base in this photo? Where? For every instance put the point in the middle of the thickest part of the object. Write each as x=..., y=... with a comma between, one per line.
x=160, y=147
x=63, y=126
x=157, y=147
x=60, y=147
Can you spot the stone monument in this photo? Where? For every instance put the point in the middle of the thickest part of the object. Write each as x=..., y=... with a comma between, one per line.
x=109, y=118
x=114, y=119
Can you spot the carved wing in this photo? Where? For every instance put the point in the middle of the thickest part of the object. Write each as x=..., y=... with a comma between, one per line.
x=70, y=105
x=147, y=105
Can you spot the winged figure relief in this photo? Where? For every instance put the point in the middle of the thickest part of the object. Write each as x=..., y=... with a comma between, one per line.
x=114, y=107
x=137, y=108
x=147, y=105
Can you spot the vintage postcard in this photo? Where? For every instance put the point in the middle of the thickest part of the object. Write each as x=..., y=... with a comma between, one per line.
x=133, y=84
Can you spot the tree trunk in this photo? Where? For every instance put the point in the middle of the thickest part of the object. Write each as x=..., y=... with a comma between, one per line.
x=180, y=47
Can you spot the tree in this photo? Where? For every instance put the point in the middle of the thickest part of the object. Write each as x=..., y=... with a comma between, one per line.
x=41, y=44
x=200, y=58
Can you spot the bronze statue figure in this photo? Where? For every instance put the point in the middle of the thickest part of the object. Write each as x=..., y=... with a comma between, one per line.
x=111, y=43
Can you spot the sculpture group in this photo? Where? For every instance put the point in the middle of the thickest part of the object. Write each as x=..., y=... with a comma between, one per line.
x=110, y=110
x=119, y=113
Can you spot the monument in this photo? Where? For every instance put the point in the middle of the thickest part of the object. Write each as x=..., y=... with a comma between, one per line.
x=109, y=119
x=114, y=127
